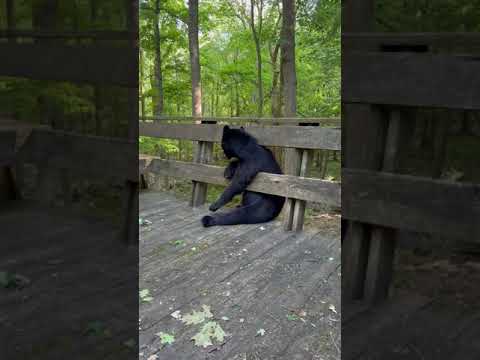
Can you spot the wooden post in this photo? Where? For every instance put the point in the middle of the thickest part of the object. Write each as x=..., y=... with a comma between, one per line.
x=299, y=207
x=363, y=148
x=382, y=242
x=203, y=155
x=130, y=231
x=293, y=163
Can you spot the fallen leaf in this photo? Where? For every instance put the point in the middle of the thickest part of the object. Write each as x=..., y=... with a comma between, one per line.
x=176, y=315
x=210, y=331
x=130, y=343
x=225, y=318
x=165, y=338
x=97, y=328
x=332, y=308
x=153, y=357
x=292, y=317
x=197, y=317
x=261, y=332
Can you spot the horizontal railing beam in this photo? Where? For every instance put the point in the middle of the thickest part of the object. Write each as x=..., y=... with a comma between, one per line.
x=92, y=64
x=97, y=156
x=309, y=189
x=436, y=39
x=412, y=203
x=411, y=79
x=303, y=137
x=262, y=120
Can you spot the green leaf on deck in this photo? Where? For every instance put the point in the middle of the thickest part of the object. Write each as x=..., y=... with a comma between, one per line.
x=177, y=242
x=210, y=331
x=6, y=279
x=165, y=338
x=130, y=343
x=97, y=328
x=292, y=317
x=145, y=295
x=197, y=317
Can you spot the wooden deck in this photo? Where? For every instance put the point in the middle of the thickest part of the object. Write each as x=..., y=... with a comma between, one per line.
x=252, y=277
x=75, y=273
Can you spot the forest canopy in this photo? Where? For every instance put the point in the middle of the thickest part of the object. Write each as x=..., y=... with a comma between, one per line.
x=235, y=39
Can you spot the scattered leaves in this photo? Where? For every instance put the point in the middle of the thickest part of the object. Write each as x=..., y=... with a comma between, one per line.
x=97, y=328
x=130, y=343
x=9, y=280
x=261, y=332
x=197, y=317
x=210, y=331
x=176, y=315
x=292, y=317
x=165, y=338
x=144, y=222
x=332, y=308
x=177, y=242
x=145, y=295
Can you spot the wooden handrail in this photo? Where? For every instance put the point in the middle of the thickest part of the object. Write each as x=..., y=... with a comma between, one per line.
x=302, y=137
x=323, y=121
x=412, y=80
x=441, y=39
x=42, y=34
x=302, y=188
x=412, y=203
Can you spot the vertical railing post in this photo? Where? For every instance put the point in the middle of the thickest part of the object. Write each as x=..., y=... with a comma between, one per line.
x=382, y=240
x=202, y=155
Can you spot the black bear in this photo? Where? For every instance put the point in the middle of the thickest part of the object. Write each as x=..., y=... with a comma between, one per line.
x=247, y=159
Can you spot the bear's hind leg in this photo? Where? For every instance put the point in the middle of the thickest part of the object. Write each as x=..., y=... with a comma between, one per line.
x=250, y=214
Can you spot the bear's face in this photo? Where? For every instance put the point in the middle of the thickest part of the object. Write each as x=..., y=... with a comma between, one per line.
x=233, y=141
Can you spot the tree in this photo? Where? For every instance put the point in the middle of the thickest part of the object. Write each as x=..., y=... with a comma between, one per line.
x=257, y=33
x=288, y=69
x=194, y=58
x=158, y=78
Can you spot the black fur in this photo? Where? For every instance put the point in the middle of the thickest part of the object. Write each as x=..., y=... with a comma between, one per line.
x=247, y=159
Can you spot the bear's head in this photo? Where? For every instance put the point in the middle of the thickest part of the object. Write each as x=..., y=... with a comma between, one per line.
x=235, y=141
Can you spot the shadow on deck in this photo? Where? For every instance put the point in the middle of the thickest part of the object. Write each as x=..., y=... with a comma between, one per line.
x=73, y=275
x=252, y=277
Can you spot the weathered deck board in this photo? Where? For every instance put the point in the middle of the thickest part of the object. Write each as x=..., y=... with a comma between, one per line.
x=79, y=273
x=257, y=273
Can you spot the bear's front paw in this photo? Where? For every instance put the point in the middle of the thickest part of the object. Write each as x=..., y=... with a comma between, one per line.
x=228, y=173
x=214, y=207
x=208, y=221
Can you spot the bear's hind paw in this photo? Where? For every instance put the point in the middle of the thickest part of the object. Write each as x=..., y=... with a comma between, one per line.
x=208, y=221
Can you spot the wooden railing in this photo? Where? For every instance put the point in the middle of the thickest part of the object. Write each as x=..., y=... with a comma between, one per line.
x=326, y=122
x=377, y=86
x=62, y=158
x=295, y=186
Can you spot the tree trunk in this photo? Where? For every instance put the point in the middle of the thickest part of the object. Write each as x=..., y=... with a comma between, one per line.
x=194, y=58
x=140, y=84
x=287, y=45
x=158, y=89
x=97, y=90
x=276, y=105
x=256, y=38
x=11, y=21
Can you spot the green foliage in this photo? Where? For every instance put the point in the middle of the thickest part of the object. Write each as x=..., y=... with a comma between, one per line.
x=420, y=16
x=228, y=58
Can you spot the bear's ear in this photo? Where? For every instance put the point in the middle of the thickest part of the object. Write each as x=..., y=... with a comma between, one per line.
x=226, y=128
x=242, y=129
